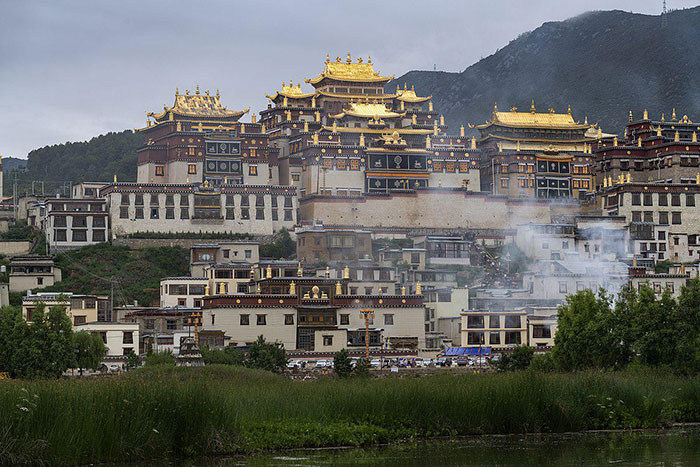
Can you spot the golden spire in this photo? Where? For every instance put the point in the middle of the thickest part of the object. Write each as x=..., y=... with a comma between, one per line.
x=630, y=118
x=461, y=131
x=197, y=89
x=178, y=126
x=639, y=142
x=402, y=105
x=328, y=271
x=268, y=272
x=222, y=290
x=695, y=137
x=569, y=110
x=600, y=132
x=313, y=101
x=605, y=182
x=115, y=178
x=500, y=147
x=615, y=141
x=362, y=139
x=473, y=142
x=315, y=138
x=300, y=271
x=646, y=114
x=335, y=126
x=414, y=119
x=338, y=288
x=697, y=179
x=430, y=106
x=346, y=272
x=427, y=141
x=284, y=101
x=306, y=126
x=517, y=145
x=419, y=289
x=328, y=58
x=403, y=290
x=257, y=290
x=663, y=117
x=658, y=130
x=677, y=136
x=349, y=59
x=289, y=114
x=317, y=115
x=442, y=120
x=369, y=59
x=629, y=178
x=532, y=107
x=673, y=116
x=199, y=127
x=253, y=118
x=292, y=288
x=435, y=128
x=206, y=290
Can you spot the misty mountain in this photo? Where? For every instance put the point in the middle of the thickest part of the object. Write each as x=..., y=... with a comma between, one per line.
x=602, y=63
x=13, y=163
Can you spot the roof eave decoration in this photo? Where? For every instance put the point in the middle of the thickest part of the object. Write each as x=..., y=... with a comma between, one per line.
x=358, y=71
x=198, y=105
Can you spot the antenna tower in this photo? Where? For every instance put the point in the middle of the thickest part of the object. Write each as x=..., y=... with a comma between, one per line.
x=664, y=19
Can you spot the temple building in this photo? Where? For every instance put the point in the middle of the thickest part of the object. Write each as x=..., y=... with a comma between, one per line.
x=661, y=151
x=350, y=138
x=202, y=170
x=536, y=154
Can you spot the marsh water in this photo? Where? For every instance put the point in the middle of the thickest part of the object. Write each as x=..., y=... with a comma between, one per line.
x=676, y=447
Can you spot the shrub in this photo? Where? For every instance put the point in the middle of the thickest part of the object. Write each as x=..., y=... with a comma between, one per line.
x=267, y=356
x=342, y=365
x=160, y=358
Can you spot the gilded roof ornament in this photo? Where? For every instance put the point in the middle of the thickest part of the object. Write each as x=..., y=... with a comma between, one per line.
x=198, y=89
x=532, y=107
x=328, y=58
x=630, y=118
x=646, y=114
x=673, y=117
x=349, y=59
x=569, y=110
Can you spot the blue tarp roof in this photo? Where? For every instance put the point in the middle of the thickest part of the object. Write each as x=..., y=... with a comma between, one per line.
x=467, y=351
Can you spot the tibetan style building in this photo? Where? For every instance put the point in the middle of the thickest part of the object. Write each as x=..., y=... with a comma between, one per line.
x=202, y=170
x=661, y=151
x=536, y=155
x=348, y=137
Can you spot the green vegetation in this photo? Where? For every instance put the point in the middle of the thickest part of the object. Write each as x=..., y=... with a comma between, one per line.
x=226, y=356
x=519, y=359
x=269, y=356
x=95, y=160
x=165, y=411
x=192, y=235
x=42, y=349
x=89, y=350
x=594, y=332
x=160, y=358
x=137, y=273
x=283, y=247
x=342, y=365
x=18, y=231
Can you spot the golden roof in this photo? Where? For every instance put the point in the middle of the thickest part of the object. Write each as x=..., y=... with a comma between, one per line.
x=291, y=91
x=348, y=70
x=401, y=131
x=368, y=111
x=198, y=105
x=533, y=119
x=409, y=95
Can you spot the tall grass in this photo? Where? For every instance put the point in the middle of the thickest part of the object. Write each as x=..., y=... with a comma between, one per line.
x=163, y=412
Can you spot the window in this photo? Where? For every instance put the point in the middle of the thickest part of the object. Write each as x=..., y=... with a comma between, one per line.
x=676, y=218
x=663, y=218
x=252, y=170
x=79, y=235
x=124, y=199
x=512, y=322
x=60, y=235
x=160, y=170
x=171, y=324
x=327, y=340
x=636, y=199
x=184, y=213
x=345, y=320
x=494, y=322
x=636, y=216
x=103, y=335
x=661, y=235
x=181, y=302
x=79, y=222
x=170, y=213
x=150, y=323
x=690, y=199
x=245, y=320
x=663, y=199
x=123, y=212
x=562, y=287
x=245, y=214
x=648, y=216
x=288, y=319
x=259, y=214
x=388, y=320
x=261, y=320
x=512, y=338
x=128, y=337
x=59, y=221
x=669, y=286
x=475, y=322
x=368, y=290
x=494, y=338
x=79, y=320
x=541, y=331
x=191, y=169
x=139, y=200
x=545, y=245
x=98, y=221
x=647, y=199
x=154, y=213
x=169, y=200
x=675, y=199
x=248, y=254
x=139, y=213
x=565, y=245
x=288, y=215
x=475, y=338
x=98, y=235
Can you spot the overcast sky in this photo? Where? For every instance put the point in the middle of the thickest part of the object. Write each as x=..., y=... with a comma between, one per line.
x=70, y=70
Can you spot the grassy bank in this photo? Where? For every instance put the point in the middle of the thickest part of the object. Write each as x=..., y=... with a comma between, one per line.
x=162, y=412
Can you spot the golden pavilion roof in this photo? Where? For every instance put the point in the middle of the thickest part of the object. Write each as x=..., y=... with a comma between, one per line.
x=290, y=91
x=358, y=71
x=409, y=95
x=198, y=105
x=367, y=110
x=533, y=119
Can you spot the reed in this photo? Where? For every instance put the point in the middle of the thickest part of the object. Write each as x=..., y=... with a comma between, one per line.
x=163, y=412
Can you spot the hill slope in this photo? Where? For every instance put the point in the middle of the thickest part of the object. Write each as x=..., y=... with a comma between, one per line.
x=601, y=63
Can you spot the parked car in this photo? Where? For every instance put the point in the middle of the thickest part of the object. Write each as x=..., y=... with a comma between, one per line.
x=375, y=363
x=462, y=361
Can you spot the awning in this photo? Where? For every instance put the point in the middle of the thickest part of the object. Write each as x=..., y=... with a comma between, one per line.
x=467, y=351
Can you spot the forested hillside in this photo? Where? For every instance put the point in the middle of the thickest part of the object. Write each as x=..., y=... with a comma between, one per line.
x=603, y=64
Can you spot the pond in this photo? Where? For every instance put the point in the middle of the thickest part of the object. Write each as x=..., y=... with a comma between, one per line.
x=676, y=447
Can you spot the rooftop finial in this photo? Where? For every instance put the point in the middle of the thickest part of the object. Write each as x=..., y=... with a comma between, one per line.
x=630, y=118
x=349, y=59
x=198, y=89
x=532, y=107
x=328, y=58
x=290, y=83
x=646, y=114
x=673, y=117
x=177, y=92
x=569, y=110
x=369, y=59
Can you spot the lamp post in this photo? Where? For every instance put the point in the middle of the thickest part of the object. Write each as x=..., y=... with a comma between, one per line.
x=367, y=314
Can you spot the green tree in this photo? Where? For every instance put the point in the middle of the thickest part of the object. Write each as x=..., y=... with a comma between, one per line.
x=687, y=354
x=89, y=350
x=267, y=356
x=282, y=247
x=160, y=358
x=226, y=356
x=653, y=324
x=361, y=370
x=132, y=360
x=591, y=333
x=13, y=329
x=342, y=365
x=519, y=359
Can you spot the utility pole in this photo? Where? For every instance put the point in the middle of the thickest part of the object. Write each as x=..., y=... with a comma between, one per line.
x=664, y=17
x=367, y=314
